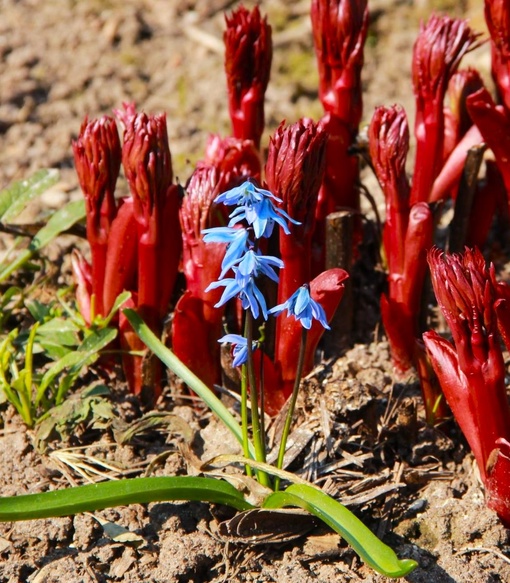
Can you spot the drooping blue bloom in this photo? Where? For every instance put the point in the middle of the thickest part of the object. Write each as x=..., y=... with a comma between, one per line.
x=254, y=264
x=238, y=244
x=240, y=347
x=245, y=194
x=303, y=308
x=247, y=291
x=262, y=216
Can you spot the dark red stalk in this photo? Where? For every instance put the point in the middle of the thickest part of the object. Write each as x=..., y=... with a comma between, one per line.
x=294, y=171
x=400, y=308
x=248, y=56
x=122, y=253
x=494, y=125
x=407, y=234
x=148, y=169
x=490, y=200
x=497, y=16
x=388, y=137
x=195, y=310
x=472, y=374
x=450, y=174
x=339, y=32
x=498, y=480
x=97, y=155
x=440, y=46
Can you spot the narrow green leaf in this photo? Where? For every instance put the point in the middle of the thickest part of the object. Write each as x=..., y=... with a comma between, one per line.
x=87, y=353
x=372, y=550
x=93, y=497
x=62, y=220
x=98, y=340
x=16, y=196
x=183, y=372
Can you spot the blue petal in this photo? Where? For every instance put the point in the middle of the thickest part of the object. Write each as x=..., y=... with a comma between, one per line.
x=233, y=339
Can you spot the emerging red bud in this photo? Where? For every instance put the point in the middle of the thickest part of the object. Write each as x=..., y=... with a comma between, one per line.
x=294, y=171
x=339, y=32
x=248, y=56
x=147, y=165
x=440, y=46
x=234, y=159
x=474, y=381
x=97, y=156
x=388, y=138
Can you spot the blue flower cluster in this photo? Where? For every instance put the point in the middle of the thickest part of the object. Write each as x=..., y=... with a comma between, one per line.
x=255, y=207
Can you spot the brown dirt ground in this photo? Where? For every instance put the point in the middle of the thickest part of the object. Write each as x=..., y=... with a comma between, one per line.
x=362, y=435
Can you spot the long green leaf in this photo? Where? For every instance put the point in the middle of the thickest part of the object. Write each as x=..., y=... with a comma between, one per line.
x=64, y=218
x=373, y=551
x=15, y=197
x=93, y=497
x=183, y=372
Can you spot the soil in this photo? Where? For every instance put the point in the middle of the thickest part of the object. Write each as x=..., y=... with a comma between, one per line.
x=361, y=433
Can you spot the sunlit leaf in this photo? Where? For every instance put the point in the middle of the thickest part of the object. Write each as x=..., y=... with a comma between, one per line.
x=15, y=197
x=371, y=550
x=93, y=497
x=62, y=220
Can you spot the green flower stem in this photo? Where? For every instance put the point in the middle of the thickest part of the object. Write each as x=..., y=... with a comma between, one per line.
x=258, y=437
x=244, y=416
x=292, y=405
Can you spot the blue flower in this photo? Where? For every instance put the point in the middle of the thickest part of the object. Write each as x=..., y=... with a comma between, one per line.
x=238, y=244
x=245, y=194
x=262, y=216
x=247, y=291
x=254, y=264
x=303, y=308
x=240, y=347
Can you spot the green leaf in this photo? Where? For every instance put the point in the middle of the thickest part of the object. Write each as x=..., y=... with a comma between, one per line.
x=16, y=197
x=183, y=372
x=62, y=220
x=87, y=353
x=373, y=551
x=56, y=337
x=93, y=497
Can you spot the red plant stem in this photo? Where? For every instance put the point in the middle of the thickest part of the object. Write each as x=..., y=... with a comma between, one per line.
x=494, y=125
x=497, y=16
x=451, y=171
x=441, y=44
x=339, y=30
x=248, y=56
x=121, y=264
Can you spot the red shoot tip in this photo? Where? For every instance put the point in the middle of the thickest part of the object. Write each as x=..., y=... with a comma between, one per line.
x=248, y=56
